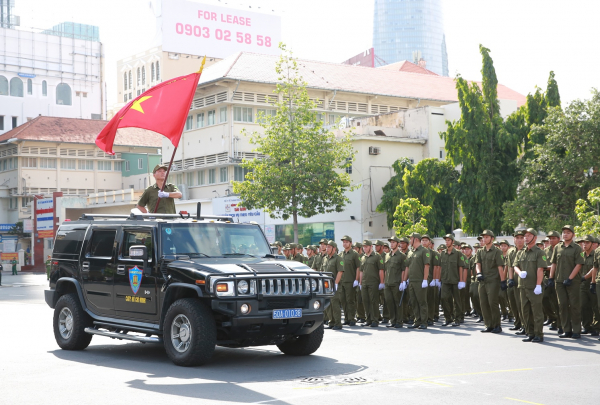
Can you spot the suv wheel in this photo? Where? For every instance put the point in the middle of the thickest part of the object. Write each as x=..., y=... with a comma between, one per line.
x=70, y=320
x=190, y=333
x=303, y=345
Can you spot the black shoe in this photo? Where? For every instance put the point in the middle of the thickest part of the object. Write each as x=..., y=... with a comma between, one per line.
x=422, y=327
x=537, y=339
x=365, y=324
x=521, y=332
x=446, y=323
x=436, y=319
x=385, y=321
x=325, y=323
x=331, y=325
x=594, y=332
x=528, y=339
x=548, y=322
x=374, y=325
x=576, y=336
x=391, y=325
x=337, y=328
x=360, y=320
x=479, y=320
x=455, y=323
x=398, y=326
x=565, y=335
x=486, y=330
x=429, y=323
x=345, y=323
x=553, y=327
x=511, y=319
x=560, y=331
x=504, y=317
x=585, y=332
x=412, y=326
x=351, y=323
x=514, y=328
x=410, y=322
x=497, y=329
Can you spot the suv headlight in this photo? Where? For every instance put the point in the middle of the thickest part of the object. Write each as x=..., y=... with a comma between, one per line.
x=243, y=287
x=313, y=285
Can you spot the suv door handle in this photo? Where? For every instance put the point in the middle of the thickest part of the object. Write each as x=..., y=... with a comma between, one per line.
x=120, y=269
x=85, y=266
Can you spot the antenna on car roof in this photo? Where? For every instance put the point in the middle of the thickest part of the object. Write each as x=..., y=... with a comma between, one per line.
x=198, y=209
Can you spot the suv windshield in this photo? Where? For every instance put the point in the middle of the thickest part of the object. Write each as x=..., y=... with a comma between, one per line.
x=213, y=240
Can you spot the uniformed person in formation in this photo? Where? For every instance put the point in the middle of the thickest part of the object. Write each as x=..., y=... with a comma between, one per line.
x=48, y=267
x=311, y=252
x=550, y=300
x=335, y=266
x=589, y=304
x=565, y=273
x=380, y=250
x=452, y=263
x=317, y=264
x=490, y=274
x=351, y=263
x=279, y=247
x=529, y=266
x=394, y=266
x=298, y=256
x=514, y=293
x=371, y=282
x=286, y=251
x=503, y=295
x=147, y=201
x=360, y=308
x=433, y=283
x=416, y=272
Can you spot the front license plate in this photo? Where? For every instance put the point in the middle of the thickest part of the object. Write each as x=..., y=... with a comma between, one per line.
x=287, y=313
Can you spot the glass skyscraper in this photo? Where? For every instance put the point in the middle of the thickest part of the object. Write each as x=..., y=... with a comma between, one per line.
x=411, y=30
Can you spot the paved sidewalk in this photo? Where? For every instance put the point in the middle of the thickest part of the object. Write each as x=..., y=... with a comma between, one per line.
x=22, y=279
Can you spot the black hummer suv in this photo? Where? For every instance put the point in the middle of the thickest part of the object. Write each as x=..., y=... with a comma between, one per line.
x=190, y=283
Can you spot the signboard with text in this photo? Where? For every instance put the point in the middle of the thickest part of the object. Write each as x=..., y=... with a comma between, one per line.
x=229, y=206
x=203, y=29
x=44, y=214
x=6, y=227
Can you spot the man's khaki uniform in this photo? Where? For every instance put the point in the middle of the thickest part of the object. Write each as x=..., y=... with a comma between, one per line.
x=566, y=257
x=370, y=267
x=416, y=261
x=394, y=266
x=351, y=262
x=490, y=260
x=530, y=260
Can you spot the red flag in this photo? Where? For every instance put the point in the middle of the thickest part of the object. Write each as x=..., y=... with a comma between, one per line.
x=163, y=109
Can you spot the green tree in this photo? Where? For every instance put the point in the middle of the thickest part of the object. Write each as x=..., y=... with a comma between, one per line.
x=17, y=229
x=303, y=173
x=564, y=169
x=588, y=214
x=393, y=191
x=552, y=95
x=409, y=217
x=485, y=152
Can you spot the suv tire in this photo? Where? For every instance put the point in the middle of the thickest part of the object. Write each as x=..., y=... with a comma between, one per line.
x=189, y=333
x=303, y=345
x=70, y=321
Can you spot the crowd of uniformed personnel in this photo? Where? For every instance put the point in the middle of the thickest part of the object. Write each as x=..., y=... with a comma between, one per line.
x=530, y=285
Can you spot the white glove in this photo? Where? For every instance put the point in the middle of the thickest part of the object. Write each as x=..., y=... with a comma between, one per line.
x=438, y=284
x=523, y=274
x=402, y=286
x=360, y=287
x=335, y=287
x=355, y=284
x=432, y=284
x=424, y=284
x=461, y=285
x=537, y=290
x=163, y=194
x=381, y=286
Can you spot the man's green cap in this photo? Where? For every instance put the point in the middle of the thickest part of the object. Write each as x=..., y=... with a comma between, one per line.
x=596, y=240
x=442, y=247
x=379, y=243
x=367, y=242
x=569, y=227
x=314, y=248
x=332, y=243
x=276, y=243
x=299, y=246
x=588, y=238
x=394, y=239
x=467, y=246
x=415, y=235
x=520, y=232
x=578, y=239
x=456, y=243
x=531, y=231
x=546, y=240
x=357, y=245
x=324, y=240
x=292, y=246
x=505, y=242
x=488, y=233
x=159, y=167
x=425, y=237
x=555, y=234
x=496, y=243
x=404, y=239
x=449, y=236
x=477, y=245
x=386, y=244
x=346, y=237
x=287, y=246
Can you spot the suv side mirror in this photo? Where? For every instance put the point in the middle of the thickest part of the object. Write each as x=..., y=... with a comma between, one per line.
x=274, y=250
x=140, y=252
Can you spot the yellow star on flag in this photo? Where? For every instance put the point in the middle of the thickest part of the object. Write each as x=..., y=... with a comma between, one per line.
x=137, y=104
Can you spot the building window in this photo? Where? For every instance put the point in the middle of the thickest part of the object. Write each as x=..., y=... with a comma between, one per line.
x=211, y=117
x=139, y=92
x=118, y=166
x=189, y=178
x=14, y=122
x=104, y=166
x=242, y=114
x=130, y=96
x=152, y=71
x=223, y=175
x=349, y=167
x=67, y=164
x=179, y=178
x=47, y=163
x=29, y=87
x=139, y=77
x=125, y=81
x=239, y=173
x=44, y=88
x=16, y=87
x=442, y=154
x=200, y=120
x=189, y=123
x=265, y=113
x=223, y=114
x=140, y=163
x=157, y=72
x=130, y=84
x=1, y=122
x=201, y=180
x=143, y=75
x=125, y=98
x=27, y=162
x=3, y=86
x=63, y=94
x=85, y=164
x=127, y=165
x=212, y=176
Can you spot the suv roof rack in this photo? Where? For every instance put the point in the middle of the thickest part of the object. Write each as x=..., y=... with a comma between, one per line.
x=141, y=217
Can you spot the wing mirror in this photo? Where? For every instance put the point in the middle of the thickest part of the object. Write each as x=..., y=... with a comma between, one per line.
x=141, y=252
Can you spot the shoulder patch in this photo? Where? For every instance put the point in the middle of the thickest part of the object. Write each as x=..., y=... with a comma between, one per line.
x=544, y=258
x=582, y=254
x=342, y=262
x=381, y=261
x=427, y=254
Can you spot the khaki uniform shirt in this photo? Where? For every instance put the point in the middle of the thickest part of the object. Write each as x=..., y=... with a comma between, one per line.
x=416, y=261
x=530, y=260
x=566, y=258
x=299, y=257
x=597, y=262
x=370, y=266
x=316, y=264
x=451, y=264
x=334, y=266
x=435, y=261
x=351, y=262
x=310, y=261
x=490, y=260
x=150, y=196
x=588, y=264
x=472, y=273
x=512, y=254
x=394, y=266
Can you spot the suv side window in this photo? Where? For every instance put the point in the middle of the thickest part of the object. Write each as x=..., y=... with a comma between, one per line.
x=131, y=238
x=69, y=240
x=102, y=242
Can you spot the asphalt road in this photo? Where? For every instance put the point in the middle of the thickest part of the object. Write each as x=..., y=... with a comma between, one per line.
x=442, y=365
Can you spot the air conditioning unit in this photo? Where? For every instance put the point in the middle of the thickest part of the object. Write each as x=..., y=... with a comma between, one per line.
x=374, y=150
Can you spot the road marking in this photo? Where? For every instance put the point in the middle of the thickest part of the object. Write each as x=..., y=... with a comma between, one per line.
x=520, y=400
x=425, y=379
x=440, y=384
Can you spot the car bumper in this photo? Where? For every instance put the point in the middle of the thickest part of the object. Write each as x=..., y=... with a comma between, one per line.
x=49, y=297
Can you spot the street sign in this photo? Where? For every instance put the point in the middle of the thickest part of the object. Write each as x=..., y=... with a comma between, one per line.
x=45, y=217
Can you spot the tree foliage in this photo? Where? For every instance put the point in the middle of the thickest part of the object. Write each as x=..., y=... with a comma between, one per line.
x=588, y=214
x=564, y=169
x=303, y=173
x=17, y=229
x=393, y=191
x=410, y=216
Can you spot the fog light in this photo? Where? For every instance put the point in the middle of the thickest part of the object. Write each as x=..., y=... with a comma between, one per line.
x=316, y=305
x=245, y=308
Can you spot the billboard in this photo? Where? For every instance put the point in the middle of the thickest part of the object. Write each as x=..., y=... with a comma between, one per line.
x=44, y=214
x=366, y=59
x=229, y=206
x=202, y=29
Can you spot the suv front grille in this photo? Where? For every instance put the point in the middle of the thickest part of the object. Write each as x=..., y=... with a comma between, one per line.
x=282, y=304
x=284, y=286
